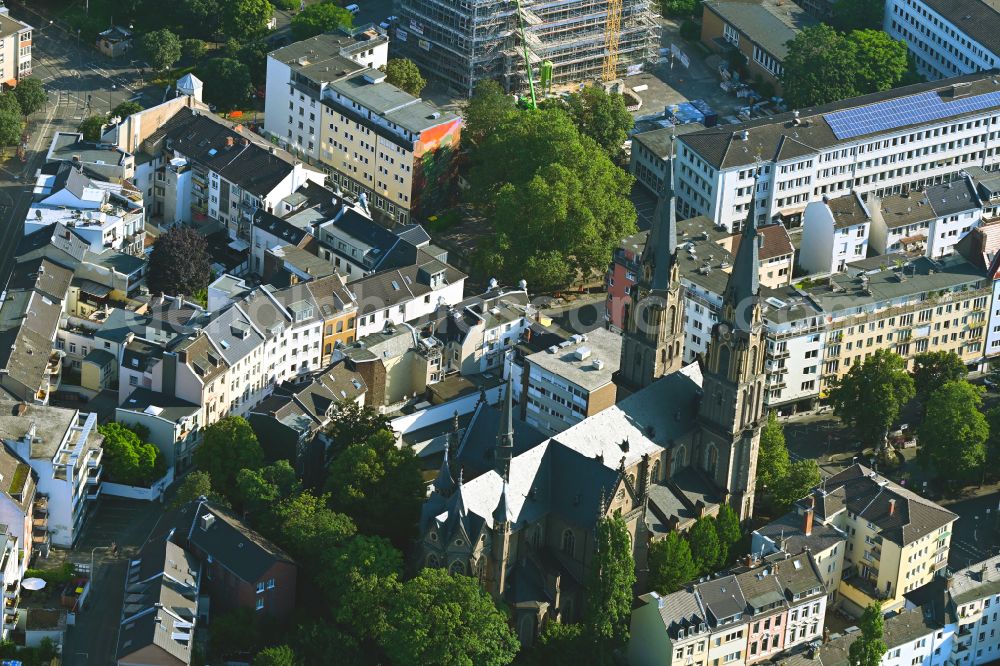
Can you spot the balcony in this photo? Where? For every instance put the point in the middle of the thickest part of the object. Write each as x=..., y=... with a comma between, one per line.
x=10, y=620
x=778, y=354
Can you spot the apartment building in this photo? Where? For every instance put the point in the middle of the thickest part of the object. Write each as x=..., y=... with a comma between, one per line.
x=172, y=424
x=327, y=99
x=11, y=572
x=652, y=152
x=356, y=246
x=15, y=48
x=480, y=333
x=568, y=383
x=946, y=37
x=102, y=160
x=835, y=232
x=906, y=138
x=17, y=515
x=63, y=449
x=885, y=540
x=758, y=29
x=929, y=222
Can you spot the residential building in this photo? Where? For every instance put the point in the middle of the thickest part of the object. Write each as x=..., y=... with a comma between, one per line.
x=652, y=152
x=567, y=384
x=895, y=540
x=11, y=571
x=462, y=46
x=622, y=274
x=758, y=29
x=172, y=424
x=835, y=232
x=15, y=48
x=160, y=610
x=832, y=150
x=327, y=99
x=17, y=514
x=929, y=222
x=980, y=245
x=946, y=37
x=775, y=252
x=63, y=448
x=480, y=333
x=107, y=161
x=397, y=365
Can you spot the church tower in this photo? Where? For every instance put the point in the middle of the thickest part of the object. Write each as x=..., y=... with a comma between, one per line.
x=733, y=380
x=653, y=341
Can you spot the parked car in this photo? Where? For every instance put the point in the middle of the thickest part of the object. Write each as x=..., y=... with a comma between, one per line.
x=354, y=9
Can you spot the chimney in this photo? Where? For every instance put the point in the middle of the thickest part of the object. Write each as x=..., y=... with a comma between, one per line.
x=807, y=522
x=230, y=142
x=892, y=507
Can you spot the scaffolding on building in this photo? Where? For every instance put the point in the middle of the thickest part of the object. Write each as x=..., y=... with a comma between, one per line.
x=568, y=41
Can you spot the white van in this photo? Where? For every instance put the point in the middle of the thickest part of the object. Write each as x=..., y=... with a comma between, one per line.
x=354, y=9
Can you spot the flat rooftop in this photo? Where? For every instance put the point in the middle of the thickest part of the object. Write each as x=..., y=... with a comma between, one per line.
x=575, y=361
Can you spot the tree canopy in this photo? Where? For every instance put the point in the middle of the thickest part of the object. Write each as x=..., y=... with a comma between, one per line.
x=258, y=491
x=162, y=48
x=405, y=75
x=870, y=396
x=869, y=647
x=227, y=83
x=824, y=66
x=727, y=526
x=609, y=587
x=196, y=484
x=802, y=477
x=11, y=122
x=932, y=370
x=773, y=459
x=128, y=459
x=848, y=15
x=438, y=618
x=679, y=8
x=954, y=432
x=319, y=18
x=704, y=541
x=600, y=115
x=670, y=563
x=228, y=446
x=246, y=19
x=179, y=263
x=486, y=111
x=279, y=655
x=557, y=203
x=31, y=95
x=126, y=109
x=357, y=578
x=90, y=127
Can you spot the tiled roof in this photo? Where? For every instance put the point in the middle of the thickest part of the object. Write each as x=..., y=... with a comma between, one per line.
x=232, y=543
x=392, y=287
x=776, y=242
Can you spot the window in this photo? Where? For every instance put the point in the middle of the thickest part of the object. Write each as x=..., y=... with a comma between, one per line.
x=260, y=603
x=270, y=583
x=260, y=587
x=569, y=543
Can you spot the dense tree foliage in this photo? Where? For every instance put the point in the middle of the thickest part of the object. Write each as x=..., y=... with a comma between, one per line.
x=11, y=121
x=179, y=263
x=127, y=458
x=193, y=49
x=90, y=127
x=228, y=446
x=870, y=396
x=485, y=112
x=358, y=577
x=600, y=115
x=437, y=618
x=824, y=66
x=848, y=15
x=727, y=526
x=802, y=477
x=609, y=588
x=954, y=432
x=196, y=484
x=679, y=8
x=258, y=491
x=126, y=109
x=773, y=459
x=31, y=95
x=162, y=48
x=670, y=563
x=705, y=548
x=319, y=18
x=230, y=87
x=869, y=647
x=405, y=75
x=245, y=20
x=279, y=655
x=932, y=370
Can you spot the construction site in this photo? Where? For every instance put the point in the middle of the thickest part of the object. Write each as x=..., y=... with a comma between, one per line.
x=559, y=42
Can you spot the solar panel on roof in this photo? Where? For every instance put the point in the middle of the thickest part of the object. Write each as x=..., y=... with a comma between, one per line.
x=904, y=111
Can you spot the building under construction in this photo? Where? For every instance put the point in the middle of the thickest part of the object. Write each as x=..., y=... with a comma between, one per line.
x=568, y=41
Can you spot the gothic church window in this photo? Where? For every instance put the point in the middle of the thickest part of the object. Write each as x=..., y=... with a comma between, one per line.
x=457, y=567
x=655, y=476
x=569, y=543
x=432, y=560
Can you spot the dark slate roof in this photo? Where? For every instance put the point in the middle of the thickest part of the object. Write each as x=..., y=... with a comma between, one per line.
x=722, y=597
x=202, y=137
x=392, y=287
x=679, y=610
x=955, y=197
x=722, y=147
x=744, y=282
x=475, y=450
x=276, y=226
x=789, y=528
x=231, y=542
x=798, y=575
x=660, y=252
x=979, y=19
x=900, y=515
x=55, y=241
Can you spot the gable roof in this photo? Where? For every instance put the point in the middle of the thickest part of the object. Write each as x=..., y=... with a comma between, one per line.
x=232, y=543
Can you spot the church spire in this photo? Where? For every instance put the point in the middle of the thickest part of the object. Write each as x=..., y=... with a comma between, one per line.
x=505, y=438
x=660, y=252
x=444, y=483
x=743, y=286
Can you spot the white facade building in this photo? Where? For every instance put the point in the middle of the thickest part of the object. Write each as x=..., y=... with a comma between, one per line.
x=838, y=149
x=403, y=295
x=834, y=233
x=946, y=37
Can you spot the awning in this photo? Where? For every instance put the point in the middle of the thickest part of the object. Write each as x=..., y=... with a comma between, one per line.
x=239, y=245
x=92, y=288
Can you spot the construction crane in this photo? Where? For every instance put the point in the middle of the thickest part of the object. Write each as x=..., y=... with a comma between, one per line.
x=612, y=32
x=527, y=61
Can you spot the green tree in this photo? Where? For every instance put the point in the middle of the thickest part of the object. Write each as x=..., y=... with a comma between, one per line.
x=869, y=647
x=602, y=116
x=670, y=563
x=954, y=432
x=228, y=446
x=773, y=460
x=227, y=83
x=258, y=491
x=179, y=264
x=486, y=111
x=379, y=485
x=802, y=477
x=126, y=109
x=405, y=75
x=993, y=441
x=679, y=8
x=229, y=634
x=351, y=423
x=10, y=128
x=279, y=655
x=848, y=15
x=704, y=541
x=559, y=644
x=308, y=529
x=357, y=579
x=91, y=127
x=319, y=18
x=818, y=68
x=196, y=484
x=609, y=588
x=556, y=200
x=880, y=61
x=317, y=639
x=727, y=526
x=254, y=56
x=31, y=95
x=437, y=618
x=193, y=49
x=9, y=103
x=871, y=395
x=129, y=460
x=162, y=48
x=932, y=370
x=244, y=20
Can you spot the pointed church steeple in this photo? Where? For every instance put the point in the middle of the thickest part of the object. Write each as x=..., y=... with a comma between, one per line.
x=743, y=285
x=505, y=438
x=653, y=339
x=444, y=483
